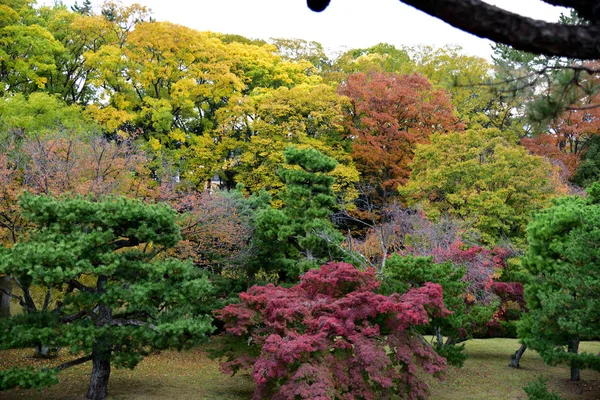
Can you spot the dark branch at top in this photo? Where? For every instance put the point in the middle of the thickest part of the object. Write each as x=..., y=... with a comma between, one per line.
x=588, y=9
x=522, y=33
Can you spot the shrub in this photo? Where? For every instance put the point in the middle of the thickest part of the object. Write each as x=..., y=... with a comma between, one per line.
x=333, y=337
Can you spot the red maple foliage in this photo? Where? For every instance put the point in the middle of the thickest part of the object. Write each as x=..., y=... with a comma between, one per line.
x=333, y=337
x=388, y=115
x=549, y=146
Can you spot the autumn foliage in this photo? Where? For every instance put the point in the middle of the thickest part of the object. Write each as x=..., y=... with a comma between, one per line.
x=333, y=337
x=388, y=115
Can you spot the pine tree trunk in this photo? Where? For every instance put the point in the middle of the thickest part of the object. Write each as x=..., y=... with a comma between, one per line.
x=575, y=372
x=516, y=358
x=42, y=351
x=98, y=389
x=5, y=299
x=45, y=351
x=438, y=336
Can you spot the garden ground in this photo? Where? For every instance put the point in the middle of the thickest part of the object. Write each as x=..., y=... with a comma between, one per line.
x=192, y=375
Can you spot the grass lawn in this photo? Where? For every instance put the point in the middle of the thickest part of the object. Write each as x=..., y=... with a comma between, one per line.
x=191, y=375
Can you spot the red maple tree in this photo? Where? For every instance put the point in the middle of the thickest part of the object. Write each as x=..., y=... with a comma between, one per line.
x=333, y=337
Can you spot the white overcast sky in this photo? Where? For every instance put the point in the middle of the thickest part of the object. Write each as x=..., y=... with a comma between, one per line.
x=344, y=24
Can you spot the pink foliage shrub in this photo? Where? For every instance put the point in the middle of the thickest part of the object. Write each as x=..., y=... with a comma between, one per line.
x=482, y=265
x=333, y=337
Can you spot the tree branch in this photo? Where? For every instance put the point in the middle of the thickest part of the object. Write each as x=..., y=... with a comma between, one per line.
x=487, y=21
x=12, y=296
x=74, y=317
x=47, y=299
x=128, y=315
x=522, y=33
x=119, y=244
x=132, y=322
x=80, y=286
x=73, y=363
x=587, y=9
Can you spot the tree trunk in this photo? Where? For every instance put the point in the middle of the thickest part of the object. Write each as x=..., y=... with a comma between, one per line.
x=98, y=389
x=574, y=348
x=45, y=351
x=4, y=298
x=515, y=359
x=42, y=351
x=438, y=336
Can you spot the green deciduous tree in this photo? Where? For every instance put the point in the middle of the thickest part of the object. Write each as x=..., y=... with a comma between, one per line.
x=254, y=133
x=27, y=54
x=483, y=176
x=562, y=293
x=39, y=114
x=119, y=300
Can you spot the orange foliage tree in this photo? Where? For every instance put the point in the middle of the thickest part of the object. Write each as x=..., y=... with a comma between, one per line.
x=387, y=116
x=566, y=137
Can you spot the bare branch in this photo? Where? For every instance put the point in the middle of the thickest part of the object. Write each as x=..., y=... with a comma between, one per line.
x=73, y=363
x=132, y=322
x=13, y=296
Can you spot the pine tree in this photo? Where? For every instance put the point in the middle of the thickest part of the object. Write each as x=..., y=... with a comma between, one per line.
x=563, y=293
x=114, y=299
x=300, y=235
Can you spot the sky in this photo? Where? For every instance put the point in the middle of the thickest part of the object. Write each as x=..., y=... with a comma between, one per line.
x=345, y=24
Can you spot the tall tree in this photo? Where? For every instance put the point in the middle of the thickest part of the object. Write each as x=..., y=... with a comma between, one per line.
x=300, y=235
x=28, y=52
x=254, y=132
x=387, y=116
x=382, y=57
x=480, y=175
x=120, y=301
x=79, y=33
x=56, y=165
x=588, y=171
x=562, y=294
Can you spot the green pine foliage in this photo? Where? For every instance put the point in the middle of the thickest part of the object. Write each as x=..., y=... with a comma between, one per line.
x=588, y=170
x=562, y=294
x=300, y=235
x=115, y=299
x=537, y=390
